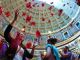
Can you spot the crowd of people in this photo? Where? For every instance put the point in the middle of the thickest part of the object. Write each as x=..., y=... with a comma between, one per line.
x=11, y=48
x=14, y=45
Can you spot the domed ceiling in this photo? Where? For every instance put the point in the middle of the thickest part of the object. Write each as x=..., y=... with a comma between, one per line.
x=41, y=18
x=35, y=15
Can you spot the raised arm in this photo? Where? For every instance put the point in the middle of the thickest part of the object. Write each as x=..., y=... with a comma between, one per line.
x=26, y=52
x=15, y=17
x=9, y=27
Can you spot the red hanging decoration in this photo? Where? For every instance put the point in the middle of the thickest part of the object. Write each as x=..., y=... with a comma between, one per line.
x=7, y=14
x=43, y=4
x=60, y=12
x=38, y=34
x=32, y=23
x=52, y=14
x=78, y=2
x=29, y=44
x=28, y=5
x=0, y=10
x=50, y=7
x=28, y=18
x=24, y=14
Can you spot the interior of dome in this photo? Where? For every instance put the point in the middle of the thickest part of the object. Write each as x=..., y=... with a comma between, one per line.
x=43, y=19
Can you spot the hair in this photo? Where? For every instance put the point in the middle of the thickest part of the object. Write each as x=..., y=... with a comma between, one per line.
x=52, y=40
x=67, y=47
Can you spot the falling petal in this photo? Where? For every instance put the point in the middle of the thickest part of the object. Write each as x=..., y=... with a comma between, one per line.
x=28, y=18
x=60, y=12
x=43, y=4
x=29, y=5
x=50, y=7
x=32, y=23
x=7, y=14
x=24, y=14
x=38, y=34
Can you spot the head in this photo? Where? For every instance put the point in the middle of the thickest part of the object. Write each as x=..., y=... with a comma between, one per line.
x=52, y=41
x=66, y=48
x=19, y=37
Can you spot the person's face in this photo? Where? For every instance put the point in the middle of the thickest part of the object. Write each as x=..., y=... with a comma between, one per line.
x=20, y=35
x=65, y=49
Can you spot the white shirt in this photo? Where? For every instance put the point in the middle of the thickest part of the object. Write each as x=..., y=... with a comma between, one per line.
x=19, y=54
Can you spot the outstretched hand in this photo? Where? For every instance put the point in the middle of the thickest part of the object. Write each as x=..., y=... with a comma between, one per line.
x=15, y=17
x=16, y=14
x=33, y=46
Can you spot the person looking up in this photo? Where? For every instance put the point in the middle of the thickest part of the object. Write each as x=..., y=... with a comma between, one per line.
x=52, y=52
x=13, y=42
